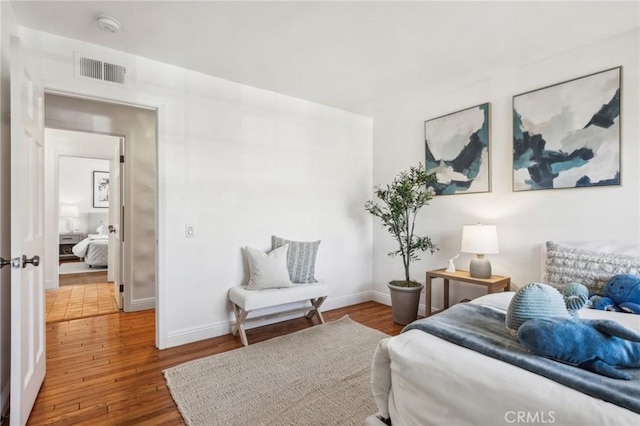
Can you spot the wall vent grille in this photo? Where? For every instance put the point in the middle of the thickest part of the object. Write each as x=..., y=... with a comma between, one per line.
x=100, y=70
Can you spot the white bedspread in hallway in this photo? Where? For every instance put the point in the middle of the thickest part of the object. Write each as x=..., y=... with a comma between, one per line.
x=439, y=383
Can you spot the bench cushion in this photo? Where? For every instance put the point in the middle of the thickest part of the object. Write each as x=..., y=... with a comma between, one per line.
x=258, y=299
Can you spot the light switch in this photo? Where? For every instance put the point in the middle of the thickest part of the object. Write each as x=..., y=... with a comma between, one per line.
x=189, y=230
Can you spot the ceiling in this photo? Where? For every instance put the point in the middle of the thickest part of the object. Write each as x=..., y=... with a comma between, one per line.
x=349, y=55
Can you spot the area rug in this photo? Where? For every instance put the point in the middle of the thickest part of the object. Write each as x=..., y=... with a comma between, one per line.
x=317, y=376
x=79, y=268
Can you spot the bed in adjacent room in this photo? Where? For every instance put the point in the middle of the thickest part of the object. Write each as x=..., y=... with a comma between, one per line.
x=94, y=249
x=421, y=379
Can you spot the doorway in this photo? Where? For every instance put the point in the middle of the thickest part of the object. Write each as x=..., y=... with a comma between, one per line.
x=137, y=126
x=84, y=288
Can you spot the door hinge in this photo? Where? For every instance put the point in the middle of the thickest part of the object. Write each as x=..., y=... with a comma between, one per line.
x=122, y=158
x=121, y=288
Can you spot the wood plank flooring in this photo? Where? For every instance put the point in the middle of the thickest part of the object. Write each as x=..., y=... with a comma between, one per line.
x=105, y=370
x=83, y=278
x=79, y=301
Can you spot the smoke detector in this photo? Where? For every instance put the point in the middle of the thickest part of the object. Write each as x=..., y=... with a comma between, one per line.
x=108, y=23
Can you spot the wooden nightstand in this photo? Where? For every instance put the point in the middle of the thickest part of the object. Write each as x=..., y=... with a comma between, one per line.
x=494, y=284
x=66, y=242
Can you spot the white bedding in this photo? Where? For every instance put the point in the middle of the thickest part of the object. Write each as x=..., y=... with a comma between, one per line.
x=94, y=249
x=439, y=383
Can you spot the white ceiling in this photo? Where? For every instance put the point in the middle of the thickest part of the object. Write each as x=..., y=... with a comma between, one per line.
x=349, y=55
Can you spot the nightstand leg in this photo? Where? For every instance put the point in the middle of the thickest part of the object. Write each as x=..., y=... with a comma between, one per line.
x=427, y=296
x=446, y=293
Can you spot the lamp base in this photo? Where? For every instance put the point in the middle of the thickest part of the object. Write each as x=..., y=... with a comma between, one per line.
x=479, y=267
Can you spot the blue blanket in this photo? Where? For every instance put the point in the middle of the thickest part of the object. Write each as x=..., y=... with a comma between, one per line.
x=482, y=329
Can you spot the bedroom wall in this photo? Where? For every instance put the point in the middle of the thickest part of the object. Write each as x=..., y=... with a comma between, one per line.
x=239, y=164
x=525, y=220
x=76, y=188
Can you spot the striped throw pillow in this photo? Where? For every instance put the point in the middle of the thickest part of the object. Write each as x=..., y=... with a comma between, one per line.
x=301, y=259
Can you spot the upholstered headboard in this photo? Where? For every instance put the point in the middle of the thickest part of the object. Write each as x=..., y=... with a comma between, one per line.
x=95, y=219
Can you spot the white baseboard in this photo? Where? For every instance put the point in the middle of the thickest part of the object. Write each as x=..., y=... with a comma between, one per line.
x=195, y=334
x=50, y=285
x=143, y=304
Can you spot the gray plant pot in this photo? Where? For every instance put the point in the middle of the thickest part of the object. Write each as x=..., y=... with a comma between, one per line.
x=404, y=303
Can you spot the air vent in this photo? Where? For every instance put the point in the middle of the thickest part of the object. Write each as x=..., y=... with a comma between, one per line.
x=100, y=70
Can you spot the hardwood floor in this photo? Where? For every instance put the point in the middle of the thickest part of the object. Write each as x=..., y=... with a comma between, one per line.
x=79, y=301
x=106, y=370
x=83, y=278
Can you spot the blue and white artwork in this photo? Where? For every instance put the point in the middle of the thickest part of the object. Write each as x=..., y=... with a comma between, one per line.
x=568, y=135
x=457, y=150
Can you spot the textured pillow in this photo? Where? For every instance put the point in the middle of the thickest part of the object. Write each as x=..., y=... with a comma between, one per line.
x=268, y=270
x=534, y=300
x=301, y=258
x=565, y=264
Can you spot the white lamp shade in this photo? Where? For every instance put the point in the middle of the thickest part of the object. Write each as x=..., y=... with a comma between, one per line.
x=479, y=239
x=68, y=211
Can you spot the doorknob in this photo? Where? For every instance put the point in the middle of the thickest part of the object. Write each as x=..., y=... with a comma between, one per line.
x=4, y=262
x=35, y=260
x=112, y=229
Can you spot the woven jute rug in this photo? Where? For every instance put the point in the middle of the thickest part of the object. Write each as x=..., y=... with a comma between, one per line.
x=317, y=376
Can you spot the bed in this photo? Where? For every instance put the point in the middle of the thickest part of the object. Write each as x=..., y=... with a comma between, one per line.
x=420, y=379
x=94, y=249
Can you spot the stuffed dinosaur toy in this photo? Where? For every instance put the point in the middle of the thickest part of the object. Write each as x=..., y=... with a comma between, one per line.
x=600, y=346
x=621, y=293
x=546, y=323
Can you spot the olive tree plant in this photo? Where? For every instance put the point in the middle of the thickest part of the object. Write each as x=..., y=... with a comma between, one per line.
x=397, y=208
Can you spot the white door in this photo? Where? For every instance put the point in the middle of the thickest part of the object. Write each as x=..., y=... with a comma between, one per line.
x=28, y=357
x=116, y=249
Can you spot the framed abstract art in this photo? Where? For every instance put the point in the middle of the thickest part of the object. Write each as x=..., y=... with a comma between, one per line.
x=101, y=189
x=457, y=151
x=568, y=135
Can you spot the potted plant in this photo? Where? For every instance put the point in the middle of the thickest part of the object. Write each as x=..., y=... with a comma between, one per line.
x=399, y=205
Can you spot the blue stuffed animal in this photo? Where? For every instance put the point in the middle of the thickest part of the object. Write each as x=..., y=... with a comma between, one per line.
x=600, y=346
x=576, y=296
x=621, y=293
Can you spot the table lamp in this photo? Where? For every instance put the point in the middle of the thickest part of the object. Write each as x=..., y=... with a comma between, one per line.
x=479, y=240
x=69, y=212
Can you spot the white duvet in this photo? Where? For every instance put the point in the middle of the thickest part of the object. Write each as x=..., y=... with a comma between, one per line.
x=420, y=379
x=81, y=248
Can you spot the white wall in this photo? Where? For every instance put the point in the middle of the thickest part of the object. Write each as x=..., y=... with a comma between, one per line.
x=75, y=187
x=239, y=164
x=63, y=144
x=525, y=220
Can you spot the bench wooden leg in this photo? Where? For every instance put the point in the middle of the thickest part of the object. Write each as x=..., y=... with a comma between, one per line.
x=241, y=316
x=316, y=303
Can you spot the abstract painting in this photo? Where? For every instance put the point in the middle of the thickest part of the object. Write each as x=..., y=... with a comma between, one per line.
x=101, y=189
x=457, y=150
x=568, y=135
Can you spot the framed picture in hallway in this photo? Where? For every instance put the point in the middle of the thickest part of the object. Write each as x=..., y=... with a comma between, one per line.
x=457, y=151
x=568, y=135
x=101, y=189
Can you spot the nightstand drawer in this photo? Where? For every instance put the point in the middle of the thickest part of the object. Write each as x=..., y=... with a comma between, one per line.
x=70, y=238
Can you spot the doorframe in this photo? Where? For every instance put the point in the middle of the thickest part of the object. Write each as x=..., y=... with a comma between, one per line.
x=56, y=190
x=159, y=108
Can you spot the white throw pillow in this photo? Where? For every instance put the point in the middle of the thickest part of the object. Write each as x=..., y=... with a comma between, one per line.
x=268, y=270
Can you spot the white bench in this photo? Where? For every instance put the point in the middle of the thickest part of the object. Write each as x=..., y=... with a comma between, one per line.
x=245, y=301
